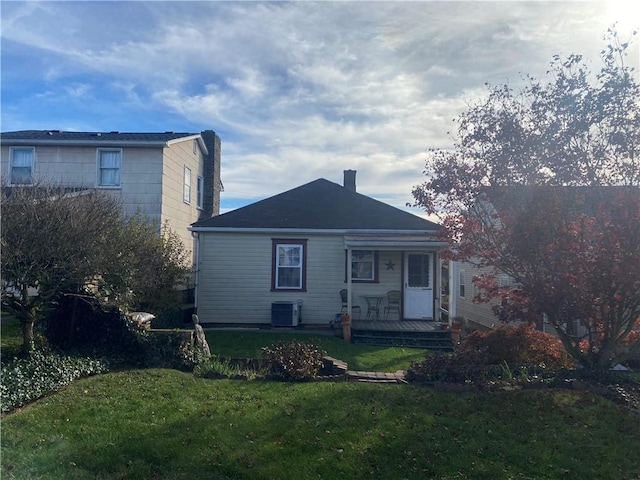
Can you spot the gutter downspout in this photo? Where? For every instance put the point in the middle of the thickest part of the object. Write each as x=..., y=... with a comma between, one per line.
x=196, y=276
x=349, y=282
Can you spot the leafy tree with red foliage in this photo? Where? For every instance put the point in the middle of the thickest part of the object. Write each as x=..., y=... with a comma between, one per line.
x=543, y=185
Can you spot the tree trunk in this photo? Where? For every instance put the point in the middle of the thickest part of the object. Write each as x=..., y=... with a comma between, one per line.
x=27, y=334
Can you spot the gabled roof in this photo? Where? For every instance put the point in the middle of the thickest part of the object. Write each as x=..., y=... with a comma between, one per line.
x=318, y=205
x=58, y=137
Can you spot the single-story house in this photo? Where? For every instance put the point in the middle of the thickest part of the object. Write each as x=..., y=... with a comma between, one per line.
x=294, y=252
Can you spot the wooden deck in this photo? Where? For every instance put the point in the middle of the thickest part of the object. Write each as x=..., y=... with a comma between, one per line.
x=405, y=333
x=396, y=326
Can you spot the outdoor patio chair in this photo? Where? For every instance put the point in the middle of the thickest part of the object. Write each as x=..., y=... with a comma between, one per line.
x=345, y=304
x=393, y=303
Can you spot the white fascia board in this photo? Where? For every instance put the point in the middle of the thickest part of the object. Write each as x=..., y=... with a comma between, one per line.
x=278, y=231
x=197, y=137
x=308, y=231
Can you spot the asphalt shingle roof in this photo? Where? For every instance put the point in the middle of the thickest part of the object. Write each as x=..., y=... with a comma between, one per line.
x=322, y=205
x=62, y=136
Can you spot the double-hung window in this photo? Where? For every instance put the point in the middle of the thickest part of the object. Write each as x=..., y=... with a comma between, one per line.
x=109, y=163
x=364, y=265
x=289, y=264
x=200, y=191
x=462, y=284
x=186, y=189
x=22, y=159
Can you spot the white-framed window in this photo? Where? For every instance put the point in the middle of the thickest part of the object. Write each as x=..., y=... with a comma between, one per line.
x=200, y=191
x=504, y=280
x=364, y=265
x=186, y=188
x=109, y=163
x=22, y=160
x=462, y=284
x=289, y=264
x=195, y=146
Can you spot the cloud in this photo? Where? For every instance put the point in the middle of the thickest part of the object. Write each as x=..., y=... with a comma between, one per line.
x=297, y=90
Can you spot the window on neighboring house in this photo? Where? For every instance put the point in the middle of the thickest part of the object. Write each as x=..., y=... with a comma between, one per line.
x=200, y=191
x=462, y=284
x=22, y=165
x=195, y=146
x=504, y=280
x=109, y=162
x=186, y=189
x=364, y=266
x=289, y=264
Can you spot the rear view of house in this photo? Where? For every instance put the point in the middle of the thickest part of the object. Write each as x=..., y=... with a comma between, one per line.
x=300, y=248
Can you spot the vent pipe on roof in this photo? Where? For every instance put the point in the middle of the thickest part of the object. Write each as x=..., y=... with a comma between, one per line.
x=350, y=180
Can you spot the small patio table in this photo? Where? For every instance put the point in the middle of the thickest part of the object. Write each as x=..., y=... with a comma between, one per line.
x=373, y=305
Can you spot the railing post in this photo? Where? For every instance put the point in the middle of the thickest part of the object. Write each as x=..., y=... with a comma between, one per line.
x=346, y=327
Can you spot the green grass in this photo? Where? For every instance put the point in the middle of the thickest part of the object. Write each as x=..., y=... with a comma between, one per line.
x=165, y=424
x=247, y=344
x=10, y=334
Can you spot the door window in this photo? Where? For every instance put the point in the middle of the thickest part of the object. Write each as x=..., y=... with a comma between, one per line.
x=418, y=274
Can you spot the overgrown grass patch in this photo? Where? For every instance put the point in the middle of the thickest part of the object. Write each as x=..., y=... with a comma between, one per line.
x=170, y=425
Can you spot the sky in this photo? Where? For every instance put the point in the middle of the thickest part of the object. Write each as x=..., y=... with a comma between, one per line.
x=296, y=90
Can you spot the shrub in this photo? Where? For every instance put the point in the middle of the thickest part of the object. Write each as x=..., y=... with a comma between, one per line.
x=171, y=349
x=294, y=360
x=28, y=378
x=505, y=354
x=170, y=318
x=449, y=367
x=519, y=345
x=85, y=326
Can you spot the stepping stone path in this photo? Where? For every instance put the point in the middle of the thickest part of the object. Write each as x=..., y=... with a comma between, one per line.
x=338, y=367
x=376, y=377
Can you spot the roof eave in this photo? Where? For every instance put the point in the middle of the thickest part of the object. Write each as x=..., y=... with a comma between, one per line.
x=98, y=142
x=308, y=231
x=195, y=136
x=85, y=143
x=393, y=244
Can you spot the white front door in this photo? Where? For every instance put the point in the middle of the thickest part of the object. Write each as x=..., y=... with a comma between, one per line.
x=418, y=286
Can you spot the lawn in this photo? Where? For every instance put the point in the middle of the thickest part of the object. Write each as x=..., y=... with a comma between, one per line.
x=247, y=344
x=10, y=333
x=166, y=424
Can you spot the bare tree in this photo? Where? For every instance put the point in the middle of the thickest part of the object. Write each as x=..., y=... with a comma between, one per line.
x=60, y=241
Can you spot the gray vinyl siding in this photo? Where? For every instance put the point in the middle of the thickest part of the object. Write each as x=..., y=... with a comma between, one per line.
x=179, y=214
x=234, y=278
x=479, y=313
x=151, y=178
x=77, y=166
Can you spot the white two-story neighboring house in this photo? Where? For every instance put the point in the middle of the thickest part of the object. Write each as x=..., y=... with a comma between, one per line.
x=169, y=177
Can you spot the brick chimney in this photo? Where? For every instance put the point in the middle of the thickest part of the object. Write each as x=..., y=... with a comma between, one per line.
x=350, y=180
x=212, y=183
